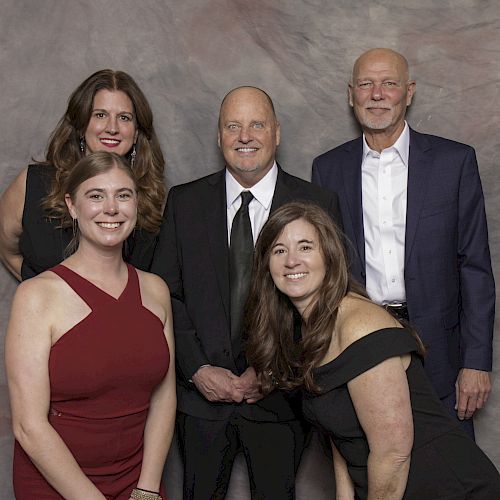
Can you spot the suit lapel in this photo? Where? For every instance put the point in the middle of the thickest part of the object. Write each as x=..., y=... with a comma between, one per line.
x=419, y=166
x=351, y=172
x=216, y=227
x=283, y=193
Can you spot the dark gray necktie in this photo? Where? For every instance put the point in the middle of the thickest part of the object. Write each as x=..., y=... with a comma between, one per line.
x=240, y=268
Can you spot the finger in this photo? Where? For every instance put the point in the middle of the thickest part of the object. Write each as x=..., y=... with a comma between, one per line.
x=461, y=406
x=471, y=407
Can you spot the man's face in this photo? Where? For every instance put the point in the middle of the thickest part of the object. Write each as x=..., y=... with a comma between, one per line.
x=380, y=91
x=248, y=135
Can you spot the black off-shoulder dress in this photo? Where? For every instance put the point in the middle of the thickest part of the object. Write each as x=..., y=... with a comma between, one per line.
x=445, y=462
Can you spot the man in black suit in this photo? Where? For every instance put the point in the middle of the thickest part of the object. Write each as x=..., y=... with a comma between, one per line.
x=221, y=410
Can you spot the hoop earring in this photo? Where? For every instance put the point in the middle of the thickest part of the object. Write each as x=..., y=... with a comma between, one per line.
x=83, y=144
x=133, y=154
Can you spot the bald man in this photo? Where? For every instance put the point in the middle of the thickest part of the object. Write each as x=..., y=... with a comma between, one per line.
x=413, y=208
x=221, y=411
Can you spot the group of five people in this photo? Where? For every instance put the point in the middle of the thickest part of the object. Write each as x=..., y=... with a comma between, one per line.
x=89, y=348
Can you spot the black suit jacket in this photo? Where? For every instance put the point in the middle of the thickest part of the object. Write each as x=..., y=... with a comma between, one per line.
x=450, y=290
x=192, y=256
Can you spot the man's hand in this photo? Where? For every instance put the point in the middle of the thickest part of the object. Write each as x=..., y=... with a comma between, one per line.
x=218, y=384
x=249, y=384
x=472, y=390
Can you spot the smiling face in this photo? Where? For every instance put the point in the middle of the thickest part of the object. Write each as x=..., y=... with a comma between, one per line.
x=248, y=134
x=297, y=265
x=380, y=91
x=105, y=207
x=112, y=125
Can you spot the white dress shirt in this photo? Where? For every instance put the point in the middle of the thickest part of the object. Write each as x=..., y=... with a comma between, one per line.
x=260, y=206
x=384, y=182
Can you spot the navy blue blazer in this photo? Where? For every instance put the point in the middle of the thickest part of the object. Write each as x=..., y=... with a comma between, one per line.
x=192, y=256
x=450, y=290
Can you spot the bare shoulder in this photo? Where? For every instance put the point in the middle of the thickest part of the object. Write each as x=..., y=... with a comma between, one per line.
x=153, y=284
x=155, y=294
x=359, y=317
x=36, y=297
x=12, y=200
x=16, y=190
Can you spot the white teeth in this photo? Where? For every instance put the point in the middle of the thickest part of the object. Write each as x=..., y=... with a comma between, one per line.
x=109, y=225
x=110, y=141
x=295, y=276
x=247, y=150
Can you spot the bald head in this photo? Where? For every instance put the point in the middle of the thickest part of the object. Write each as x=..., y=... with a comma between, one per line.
x=373, y=56
x=246, y=91
x=249, y=134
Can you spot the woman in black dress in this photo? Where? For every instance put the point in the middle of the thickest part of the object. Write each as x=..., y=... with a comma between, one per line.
x=106, y=112
x=361, y=370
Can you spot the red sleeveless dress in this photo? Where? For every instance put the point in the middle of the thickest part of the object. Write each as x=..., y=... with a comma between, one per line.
x=102, y=374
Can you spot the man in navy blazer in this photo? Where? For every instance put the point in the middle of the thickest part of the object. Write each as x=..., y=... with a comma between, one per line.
x=221, y=410
x=413, y=209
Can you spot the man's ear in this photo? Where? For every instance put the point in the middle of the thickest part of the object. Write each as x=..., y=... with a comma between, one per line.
x=411, y=88
x=349, y=95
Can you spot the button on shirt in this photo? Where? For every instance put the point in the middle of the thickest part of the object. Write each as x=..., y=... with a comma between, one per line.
x=259, y=208
x=384, y=179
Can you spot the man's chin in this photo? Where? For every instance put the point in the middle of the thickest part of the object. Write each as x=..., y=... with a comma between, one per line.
x=376, y=126
x=250, y=169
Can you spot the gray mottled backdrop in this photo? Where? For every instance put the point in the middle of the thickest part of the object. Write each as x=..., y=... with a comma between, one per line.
x=187, y=54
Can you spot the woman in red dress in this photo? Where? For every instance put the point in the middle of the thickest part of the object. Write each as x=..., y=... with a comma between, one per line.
x=89, y=355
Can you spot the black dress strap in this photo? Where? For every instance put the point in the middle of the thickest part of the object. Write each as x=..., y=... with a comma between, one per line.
x=364, y=354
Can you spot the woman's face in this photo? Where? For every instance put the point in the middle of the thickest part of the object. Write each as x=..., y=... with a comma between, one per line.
x=105, y=207
x=296, y=263
x=112, y=126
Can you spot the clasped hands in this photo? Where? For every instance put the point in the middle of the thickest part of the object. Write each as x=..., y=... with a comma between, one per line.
x=221, y=385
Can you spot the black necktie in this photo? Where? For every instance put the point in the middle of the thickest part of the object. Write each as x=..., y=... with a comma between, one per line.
x=240, y=269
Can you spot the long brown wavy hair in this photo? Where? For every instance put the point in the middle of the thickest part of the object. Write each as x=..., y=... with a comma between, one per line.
x=64, y=152
x=271, y=349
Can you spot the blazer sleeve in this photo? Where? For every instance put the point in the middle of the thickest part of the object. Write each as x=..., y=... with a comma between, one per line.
x=167, y=263
x=477, y=286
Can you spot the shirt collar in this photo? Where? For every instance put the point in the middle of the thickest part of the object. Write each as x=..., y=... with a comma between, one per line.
x=263, y=191
x=402, y=146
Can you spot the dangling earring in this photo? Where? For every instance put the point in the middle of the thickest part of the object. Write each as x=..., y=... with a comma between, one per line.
x=133, y=154
x=82, y=144
x=75, y=228
x=73, y=244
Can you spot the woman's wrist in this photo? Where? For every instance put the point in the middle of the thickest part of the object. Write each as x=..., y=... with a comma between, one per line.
x=143, y=494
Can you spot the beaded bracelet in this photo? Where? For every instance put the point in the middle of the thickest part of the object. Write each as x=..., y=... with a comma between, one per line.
x=140, y=494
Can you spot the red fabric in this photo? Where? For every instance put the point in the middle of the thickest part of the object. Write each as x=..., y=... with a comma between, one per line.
x=102, y=374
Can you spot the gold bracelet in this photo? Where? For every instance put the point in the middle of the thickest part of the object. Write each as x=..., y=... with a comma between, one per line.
x=139, y=494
